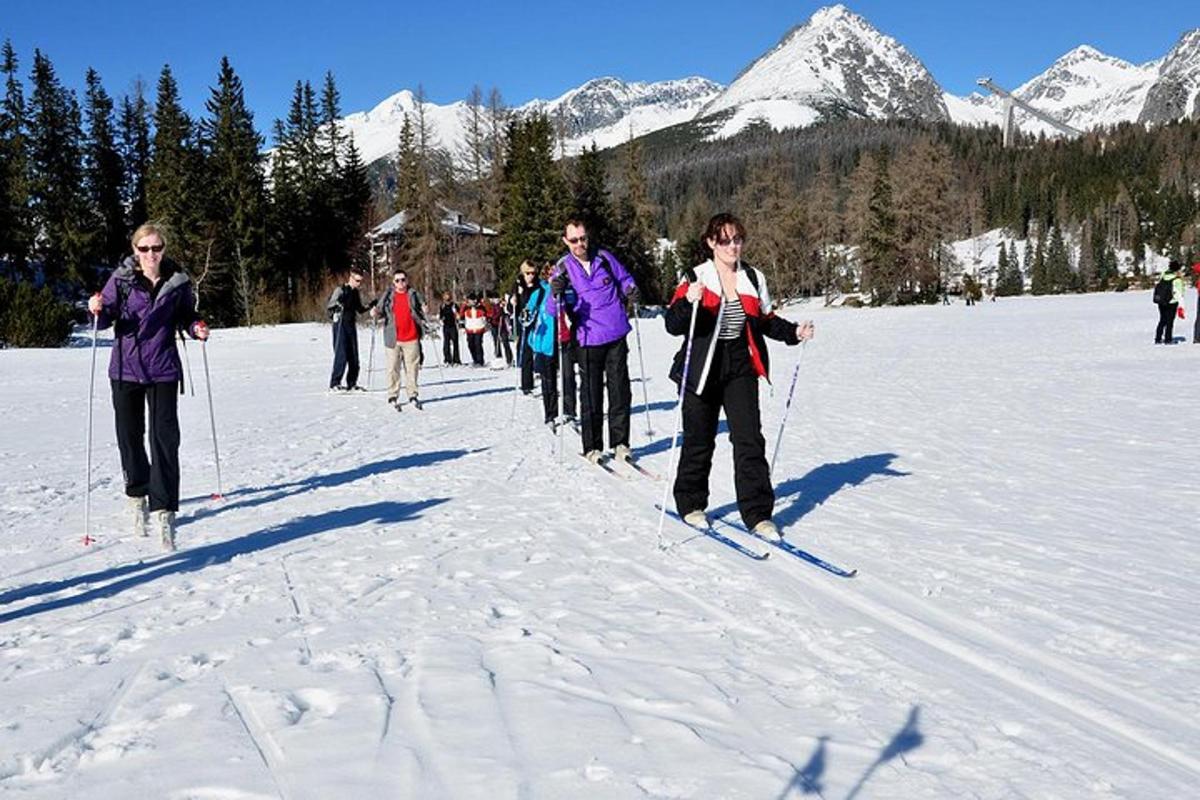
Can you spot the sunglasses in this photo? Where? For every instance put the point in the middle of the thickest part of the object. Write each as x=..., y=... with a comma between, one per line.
x=399, y=280
x=577, y=240
x=736, y=240
x=150, y=248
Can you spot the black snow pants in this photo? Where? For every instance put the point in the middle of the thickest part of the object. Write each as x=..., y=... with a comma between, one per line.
x=601, y=366
x=1165, y=332
x=158, y=475
x=345, y=356
x=733, y=385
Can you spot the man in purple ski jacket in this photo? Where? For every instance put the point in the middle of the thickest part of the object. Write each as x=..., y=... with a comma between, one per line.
x=596, y=309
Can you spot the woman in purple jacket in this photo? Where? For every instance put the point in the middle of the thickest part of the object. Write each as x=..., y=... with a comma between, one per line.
x=146, y=300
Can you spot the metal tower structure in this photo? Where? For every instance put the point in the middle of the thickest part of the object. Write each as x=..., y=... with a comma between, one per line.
x=1011, y=102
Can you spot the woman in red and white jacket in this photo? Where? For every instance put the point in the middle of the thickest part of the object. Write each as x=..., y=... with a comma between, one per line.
x=728, y=355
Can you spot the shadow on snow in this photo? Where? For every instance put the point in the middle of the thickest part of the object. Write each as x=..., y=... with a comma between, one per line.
x=281, y=491
x=808, y=779
x=120, y=578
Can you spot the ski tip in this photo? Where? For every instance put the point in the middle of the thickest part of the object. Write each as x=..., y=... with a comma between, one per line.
x=217, y=496
x=87, y=540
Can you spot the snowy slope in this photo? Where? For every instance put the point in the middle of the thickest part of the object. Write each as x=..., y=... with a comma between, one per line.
x=1084, y=88
x=606, y=110
x=835, y=63
x=431, y=605
x=1176, y=91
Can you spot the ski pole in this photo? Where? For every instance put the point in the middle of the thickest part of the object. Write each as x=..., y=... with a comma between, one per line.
x=562, y=374
x=212, y=419
x=371, y=356
x=687, y=362
x=517, y=385
x=87, y=497
x=642, y=367
x=787, y=407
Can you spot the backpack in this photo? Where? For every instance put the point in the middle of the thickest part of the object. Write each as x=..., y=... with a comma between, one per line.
x=1163, y=291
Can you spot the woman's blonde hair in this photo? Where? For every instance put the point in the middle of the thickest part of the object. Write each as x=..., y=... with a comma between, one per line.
x=147, y=229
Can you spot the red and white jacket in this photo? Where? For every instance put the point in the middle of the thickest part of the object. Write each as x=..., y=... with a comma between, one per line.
x=761, y=322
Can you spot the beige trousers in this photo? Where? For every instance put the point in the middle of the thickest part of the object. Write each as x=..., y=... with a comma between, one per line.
x=408, y=356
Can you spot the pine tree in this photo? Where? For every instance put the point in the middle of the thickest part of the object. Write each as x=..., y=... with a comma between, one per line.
x=1038, y=275
x=59, y=210
x=353, y=203
x=777, y=240
x=419, y=199
x=922, y=213
x=826, y=223
x=135, y=155
x=535, y=199
x=636, y=241
x=175, y=181
x=878, y=247
x=237, y=214
x=1058, y=266
x=591, y=201
x=16, y=233
x=103, y=175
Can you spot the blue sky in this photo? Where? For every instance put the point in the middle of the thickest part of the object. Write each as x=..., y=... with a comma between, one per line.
x=375, y=48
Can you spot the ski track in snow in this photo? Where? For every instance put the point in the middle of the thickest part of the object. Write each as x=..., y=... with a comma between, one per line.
x=437, y=604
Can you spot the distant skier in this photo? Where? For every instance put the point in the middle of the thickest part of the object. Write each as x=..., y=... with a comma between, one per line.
x=497, y=322
x=475, y=323
x=448, y=314
x=601, y=286
x=147, y=299
x=1168, y=296
x=728, y=356
x=526, y=283
x=343, y=308
x=402, y=311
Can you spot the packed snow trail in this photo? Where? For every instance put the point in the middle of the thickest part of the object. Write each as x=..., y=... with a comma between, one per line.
x=434, y=605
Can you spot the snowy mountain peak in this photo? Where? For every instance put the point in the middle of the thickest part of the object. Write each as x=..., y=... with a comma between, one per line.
x=835, y=64
x=1176, y=92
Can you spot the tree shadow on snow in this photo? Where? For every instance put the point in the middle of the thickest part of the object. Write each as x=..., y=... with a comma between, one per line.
x=282, y=491
x=795, y=498
x=115, y=580
x=808, y=779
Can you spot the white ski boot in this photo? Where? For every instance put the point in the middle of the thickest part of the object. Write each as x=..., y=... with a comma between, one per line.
x=139, y=509
x=165, y=522
x=768, y=531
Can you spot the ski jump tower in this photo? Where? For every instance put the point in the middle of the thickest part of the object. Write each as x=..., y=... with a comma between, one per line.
x=1010, y=104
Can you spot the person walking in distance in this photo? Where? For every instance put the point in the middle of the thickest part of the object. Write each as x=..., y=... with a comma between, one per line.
x=146, y=300
x=343, y=308
x=734, y=316
x=475, y=323
x=596, y=304
x=403, y=314
x=448, y=314
x=527, y=283
x=1168, y=296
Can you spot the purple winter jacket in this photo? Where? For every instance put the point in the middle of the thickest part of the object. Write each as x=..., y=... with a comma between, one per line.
x=144, y=343
x=598, y=313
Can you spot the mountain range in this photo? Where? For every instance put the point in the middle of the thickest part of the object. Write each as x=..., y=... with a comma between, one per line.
x=834, y=65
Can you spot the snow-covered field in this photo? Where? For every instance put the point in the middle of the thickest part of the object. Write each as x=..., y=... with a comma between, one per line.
x=433, y=605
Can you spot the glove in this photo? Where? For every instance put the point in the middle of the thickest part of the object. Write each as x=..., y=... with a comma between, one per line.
x=1180, y=313
x=200, y=330
x=558, y=284
x=95, y=304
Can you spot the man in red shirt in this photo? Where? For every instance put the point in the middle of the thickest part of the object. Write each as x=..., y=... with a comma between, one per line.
x=403, y=314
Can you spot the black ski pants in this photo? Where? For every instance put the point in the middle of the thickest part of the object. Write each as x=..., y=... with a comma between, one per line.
x=732, y=385
x=525, y=358
x=601, y=366
x=548, y=369
x=345, y=356
x=1165, y=332
x=158, y=475
x=450, y=354
x=475, y=345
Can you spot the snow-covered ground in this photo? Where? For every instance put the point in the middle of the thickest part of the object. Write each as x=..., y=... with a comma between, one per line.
x=431, y=605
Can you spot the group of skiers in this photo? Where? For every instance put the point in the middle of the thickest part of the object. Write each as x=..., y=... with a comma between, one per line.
x=570, y=315
x=1169, y=294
